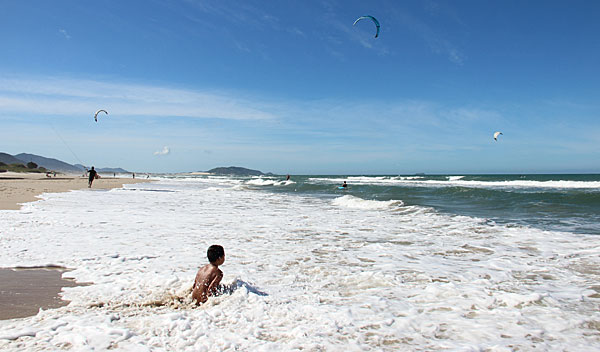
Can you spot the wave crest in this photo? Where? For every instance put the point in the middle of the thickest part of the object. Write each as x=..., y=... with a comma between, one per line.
x=349, y=201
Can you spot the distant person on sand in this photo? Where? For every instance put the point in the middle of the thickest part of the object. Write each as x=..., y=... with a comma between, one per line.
x=134, y=175
x=92, y=175
x=209, y=276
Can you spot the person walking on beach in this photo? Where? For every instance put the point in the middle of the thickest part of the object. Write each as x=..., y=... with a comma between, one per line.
x=209, y=276
x=92, y=175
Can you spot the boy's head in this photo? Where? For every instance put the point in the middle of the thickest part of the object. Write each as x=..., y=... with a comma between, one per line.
x=214, y=253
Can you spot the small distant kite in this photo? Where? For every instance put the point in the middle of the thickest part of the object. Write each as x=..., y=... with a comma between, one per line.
x=372, y=19
x=496, y=134
x=96, y=114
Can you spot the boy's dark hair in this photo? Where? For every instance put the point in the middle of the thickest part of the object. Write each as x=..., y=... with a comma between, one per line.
x=215, y=252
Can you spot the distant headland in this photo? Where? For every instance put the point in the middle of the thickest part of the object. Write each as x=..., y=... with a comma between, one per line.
x=36, y=163
x=236, y=171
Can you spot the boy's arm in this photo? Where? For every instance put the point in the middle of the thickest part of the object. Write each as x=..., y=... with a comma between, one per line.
x=215, y=283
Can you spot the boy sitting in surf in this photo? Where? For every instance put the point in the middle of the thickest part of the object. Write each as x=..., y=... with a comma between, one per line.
x=209, y=276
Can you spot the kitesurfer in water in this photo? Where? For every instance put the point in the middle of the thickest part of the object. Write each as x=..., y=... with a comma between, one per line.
x=92, y=175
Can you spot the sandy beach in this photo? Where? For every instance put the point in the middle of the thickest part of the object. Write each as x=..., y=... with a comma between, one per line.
x=18, y=188
x=23, y=292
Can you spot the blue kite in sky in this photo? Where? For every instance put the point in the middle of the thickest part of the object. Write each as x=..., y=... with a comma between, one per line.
x=372, y=19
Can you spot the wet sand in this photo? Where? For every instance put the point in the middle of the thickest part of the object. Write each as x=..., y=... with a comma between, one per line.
x=23, y=291
x=17, y=188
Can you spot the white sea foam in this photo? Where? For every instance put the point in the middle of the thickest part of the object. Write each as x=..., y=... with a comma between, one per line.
x=358, y=203
x=520, y=184
x=269, y=182
x=311, y=273
x=453, y=181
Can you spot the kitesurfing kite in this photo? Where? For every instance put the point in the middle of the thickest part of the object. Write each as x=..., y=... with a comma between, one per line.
x=96, y=114
x=496, y=134
x=372, y=19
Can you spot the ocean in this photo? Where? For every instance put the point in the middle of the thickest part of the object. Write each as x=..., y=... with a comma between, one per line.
x=392, y=263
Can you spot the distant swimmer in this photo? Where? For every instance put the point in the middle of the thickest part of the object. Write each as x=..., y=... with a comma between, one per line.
x=208, y=278
x=344, y=185
x=92, y=175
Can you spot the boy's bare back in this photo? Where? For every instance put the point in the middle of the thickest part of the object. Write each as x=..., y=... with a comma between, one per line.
x=206, y=283
x=209, y=276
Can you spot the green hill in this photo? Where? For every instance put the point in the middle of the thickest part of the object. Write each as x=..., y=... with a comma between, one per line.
x=9, y=159
x=235, y=170
x=48, y=163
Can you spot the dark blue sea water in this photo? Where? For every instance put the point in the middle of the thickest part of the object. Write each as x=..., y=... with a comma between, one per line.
x=568, y=203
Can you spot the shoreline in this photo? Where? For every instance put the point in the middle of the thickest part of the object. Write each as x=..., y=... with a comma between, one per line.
x=19, y=188
x=24, y=291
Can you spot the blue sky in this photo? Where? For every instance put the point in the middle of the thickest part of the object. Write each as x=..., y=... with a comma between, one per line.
x=294, y=87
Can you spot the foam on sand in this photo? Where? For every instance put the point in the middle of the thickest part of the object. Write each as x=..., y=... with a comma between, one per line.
x=19, y=188
x=317, y=274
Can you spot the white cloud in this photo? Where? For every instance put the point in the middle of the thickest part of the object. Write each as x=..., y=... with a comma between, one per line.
x=164, y=151
x=63, y=96
x=64, y=32
x=295, y=30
